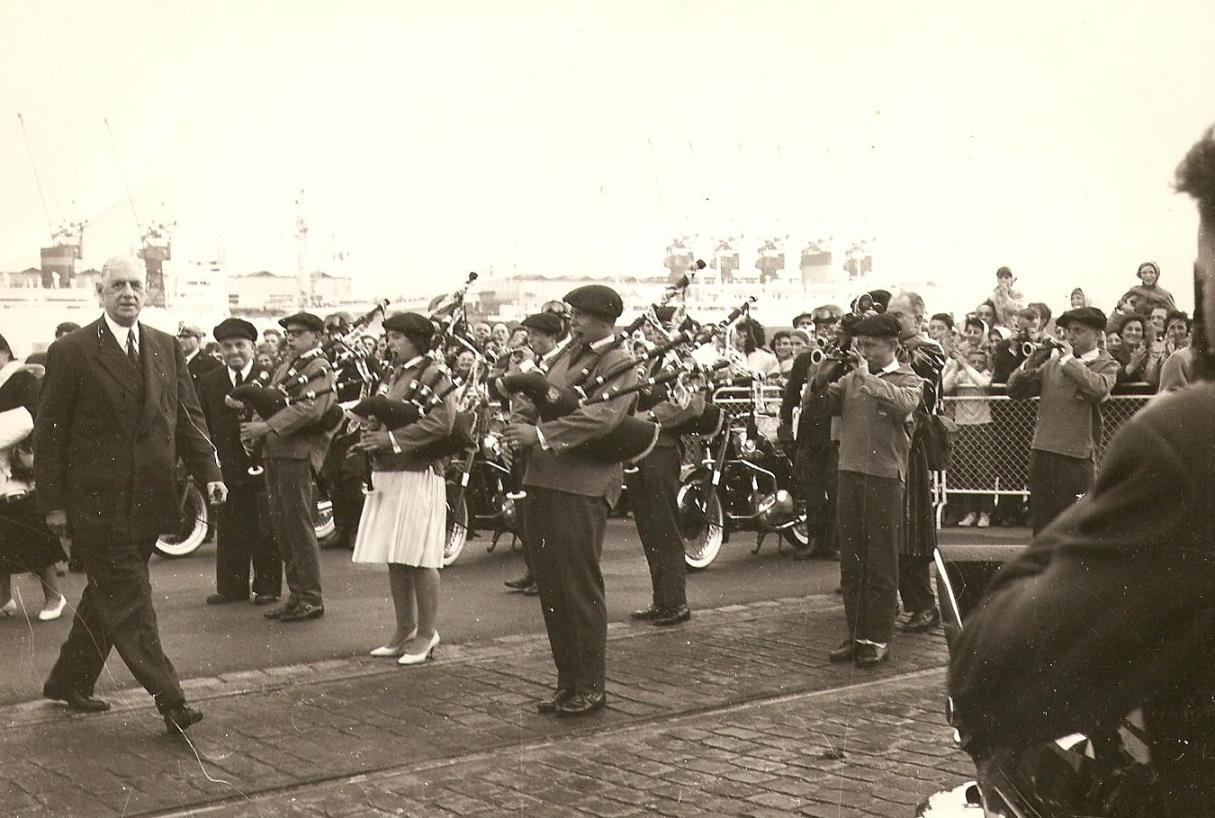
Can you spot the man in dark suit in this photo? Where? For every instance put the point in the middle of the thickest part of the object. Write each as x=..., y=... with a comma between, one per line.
x=189, y=338
x=118, y=409
x=568, y=496
x=243, y=535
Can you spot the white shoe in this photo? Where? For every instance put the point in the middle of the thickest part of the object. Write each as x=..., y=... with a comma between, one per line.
x=968, y=520
x=393, y=650
x=419, y=658
x=984, y=520
x=51, y=614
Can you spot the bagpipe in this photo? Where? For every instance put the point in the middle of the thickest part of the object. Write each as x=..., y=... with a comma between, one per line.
x=268, y=400
x=345, y=348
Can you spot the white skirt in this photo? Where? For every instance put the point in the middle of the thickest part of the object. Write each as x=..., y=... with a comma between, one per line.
x=404, y=520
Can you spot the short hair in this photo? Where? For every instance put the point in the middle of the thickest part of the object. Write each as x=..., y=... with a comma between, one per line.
x=1004, y=272
x=1177, y=315
x=275, y=331
x=917, y=301
x=945, y=318
x=4, y=347
x=1043, y=312
x=1030, y=312
x=779, y=334
x=752, y=332
x=973, y=320
x=1122, y=320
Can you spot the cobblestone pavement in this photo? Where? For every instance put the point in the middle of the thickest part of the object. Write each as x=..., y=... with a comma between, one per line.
x=736, y=713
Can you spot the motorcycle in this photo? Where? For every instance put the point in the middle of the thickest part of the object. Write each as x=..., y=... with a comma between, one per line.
x=743, y=482
x=195, y=525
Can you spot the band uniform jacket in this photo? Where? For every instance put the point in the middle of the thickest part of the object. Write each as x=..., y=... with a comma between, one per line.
x=201, y=364
x=294, y=432
x=433, y=427
x=224, y=423
x=561, y=466
x=655, y=405
x=108, y=436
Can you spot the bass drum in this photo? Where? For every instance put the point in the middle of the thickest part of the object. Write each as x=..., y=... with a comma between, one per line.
x=192, y=529
x=457, y=526
x=700, y=521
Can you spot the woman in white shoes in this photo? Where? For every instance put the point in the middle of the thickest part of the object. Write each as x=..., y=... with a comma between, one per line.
x=26, y=544
x=404, y=518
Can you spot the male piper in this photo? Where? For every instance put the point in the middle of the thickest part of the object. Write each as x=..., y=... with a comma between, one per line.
x=653, y=489
x=294, y=448
x=1070, y=379
x=243, y=534
x=568, y=499
x=875, y=402
x=118, y=408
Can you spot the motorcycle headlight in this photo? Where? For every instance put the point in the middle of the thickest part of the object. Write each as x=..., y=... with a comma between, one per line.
x=491, y=447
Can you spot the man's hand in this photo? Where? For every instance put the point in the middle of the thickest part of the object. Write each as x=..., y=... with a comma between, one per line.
x=520, y=435
x=857, y=363
x=56, y=521
x=233, y=403
x=254, y=430
x=217, y=493
x=373, y=440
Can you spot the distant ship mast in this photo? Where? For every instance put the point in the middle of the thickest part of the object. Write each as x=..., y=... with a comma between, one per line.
x=306, y=283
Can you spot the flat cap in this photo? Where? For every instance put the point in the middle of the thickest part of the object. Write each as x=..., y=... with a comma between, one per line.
x=878, y=326
x=807, y=315
x=190, y=329
x=598, y=300
x=544, y=322
x=411, y=324
x=1089, y=316
x=234, y=328
x=66, y=327
x=303, y=319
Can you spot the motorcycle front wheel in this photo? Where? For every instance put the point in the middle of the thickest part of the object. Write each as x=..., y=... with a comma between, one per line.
x=191, y=531
x=457, y=532
x=700, y=523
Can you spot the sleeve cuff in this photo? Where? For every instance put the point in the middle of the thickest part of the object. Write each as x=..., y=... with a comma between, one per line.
x=543, y=443
x=396, y=447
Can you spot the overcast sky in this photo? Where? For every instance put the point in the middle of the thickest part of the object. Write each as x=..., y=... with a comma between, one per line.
x=561, y=137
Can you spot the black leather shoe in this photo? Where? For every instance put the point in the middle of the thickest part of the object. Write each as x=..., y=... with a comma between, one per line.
x=265, y=599
x=223, y=599
x=520, y=584
x=844, y=652
x=581, y=704
x=559, y=698
x=868, y=655
x=646, y=614
x=303, y=613
x=921, y=621
x=673, y=616
x=75, y=700
x=280, y=611
x=182, y=717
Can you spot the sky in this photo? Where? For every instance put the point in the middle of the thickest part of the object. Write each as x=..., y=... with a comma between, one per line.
x=562, y=138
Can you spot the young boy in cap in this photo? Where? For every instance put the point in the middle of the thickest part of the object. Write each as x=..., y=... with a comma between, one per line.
x=1070, y=381
x=875, y=402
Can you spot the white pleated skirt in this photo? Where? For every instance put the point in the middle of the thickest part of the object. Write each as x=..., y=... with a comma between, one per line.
x=404, y=520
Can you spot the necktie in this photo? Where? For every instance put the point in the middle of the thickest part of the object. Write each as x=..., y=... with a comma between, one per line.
x=132, y=352
x=238, y=377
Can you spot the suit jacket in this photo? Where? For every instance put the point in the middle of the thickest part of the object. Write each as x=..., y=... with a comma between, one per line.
x=201, y=364
x=294, y=434
x=562, y=466
x=224, y=423
x=108, y=438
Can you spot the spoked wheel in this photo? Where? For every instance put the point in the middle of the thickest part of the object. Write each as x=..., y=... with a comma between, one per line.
x=457, y=532
x=700, y=523
x=798, y=534
x=191, y=530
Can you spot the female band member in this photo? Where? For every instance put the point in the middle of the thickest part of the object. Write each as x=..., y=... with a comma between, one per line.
x=403, y=522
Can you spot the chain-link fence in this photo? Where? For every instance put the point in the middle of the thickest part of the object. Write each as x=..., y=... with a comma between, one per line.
x=991, y=450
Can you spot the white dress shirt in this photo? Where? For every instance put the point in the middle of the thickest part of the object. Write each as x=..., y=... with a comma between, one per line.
x=120, y=332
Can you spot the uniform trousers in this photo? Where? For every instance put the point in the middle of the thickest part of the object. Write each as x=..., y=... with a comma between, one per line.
x=654, y=487
x=566, y=534
x=292, y=499
x=870, y=523
x=243, y=538
x=116, y=611
x=820, y=472
x=1054, y=482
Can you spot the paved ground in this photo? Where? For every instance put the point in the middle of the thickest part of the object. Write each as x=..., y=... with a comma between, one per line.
x=736, y=713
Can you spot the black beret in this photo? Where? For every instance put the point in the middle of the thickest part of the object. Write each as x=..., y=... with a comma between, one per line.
x=544, y=322
x=878, y=326
x=596, y=299
x=303, y=319
x=411, y=324
x=1089, y=316
x=234, y=328
x=664, y=314
x=66, y=327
